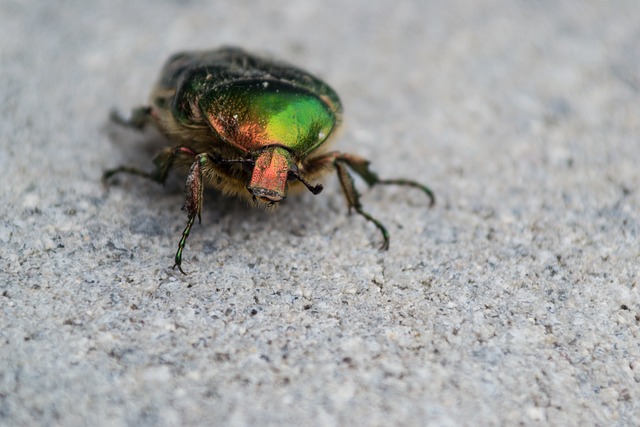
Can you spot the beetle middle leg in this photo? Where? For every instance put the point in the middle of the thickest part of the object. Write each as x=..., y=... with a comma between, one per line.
x=163, y=161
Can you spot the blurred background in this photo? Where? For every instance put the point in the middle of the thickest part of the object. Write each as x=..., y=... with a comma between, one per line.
x=513, y=301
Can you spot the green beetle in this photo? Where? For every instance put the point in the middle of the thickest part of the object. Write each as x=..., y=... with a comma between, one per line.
x=250, y=126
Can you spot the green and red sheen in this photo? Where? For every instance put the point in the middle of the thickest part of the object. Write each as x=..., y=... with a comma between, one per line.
x=251, y=115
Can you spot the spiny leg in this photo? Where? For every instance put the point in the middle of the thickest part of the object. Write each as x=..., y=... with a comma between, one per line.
x=409, y=183
x=361, y=166
x=353, y=200
x=126, y=169
x=194, y=189
x=340, y=161
x=163, y=162
x=183, y=242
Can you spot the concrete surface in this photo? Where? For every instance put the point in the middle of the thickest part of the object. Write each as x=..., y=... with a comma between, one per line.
x=513, y=302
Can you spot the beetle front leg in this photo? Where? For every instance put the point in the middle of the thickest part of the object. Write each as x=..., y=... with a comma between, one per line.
x=194, y=190
x=361, y=166
x=353, y=200
x=341, y=162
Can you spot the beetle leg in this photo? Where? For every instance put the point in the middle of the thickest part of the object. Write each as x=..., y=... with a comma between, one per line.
x=163, y=162
x=353, y=199
x=194, y=187
x=126, y=169
x=193, y=204
x=315, y=189
x=139, y=118
x=361, y=166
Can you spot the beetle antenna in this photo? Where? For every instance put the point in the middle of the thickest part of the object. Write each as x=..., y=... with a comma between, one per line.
x=315, y=189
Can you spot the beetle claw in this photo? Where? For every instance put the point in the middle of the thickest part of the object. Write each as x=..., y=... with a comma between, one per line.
x=179, y=268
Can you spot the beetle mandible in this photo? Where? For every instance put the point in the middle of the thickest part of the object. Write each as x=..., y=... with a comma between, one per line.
x=249, y=126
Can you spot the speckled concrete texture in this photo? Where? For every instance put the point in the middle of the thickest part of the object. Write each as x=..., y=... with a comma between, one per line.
x=514, y=301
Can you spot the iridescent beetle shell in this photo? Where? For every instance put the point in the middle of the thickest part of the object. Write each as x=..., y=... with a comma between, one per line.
x=264, y=109
x=249, y=126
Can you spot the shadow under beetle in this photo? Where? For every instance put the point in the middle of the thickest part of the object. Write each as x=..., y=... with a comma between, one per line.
x=249, y=126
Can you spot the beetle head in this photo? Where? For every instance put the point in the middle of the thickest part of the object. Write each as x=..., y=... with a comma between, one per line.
x=273, y=169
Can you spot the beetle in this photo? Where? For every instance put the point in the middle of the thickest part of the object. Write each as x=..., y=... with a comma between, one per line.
x=250, y=126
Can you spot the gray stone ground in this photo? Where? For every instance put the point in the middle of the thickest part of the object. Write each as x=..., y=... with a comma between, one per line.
x=514, y=301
